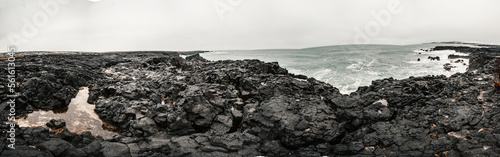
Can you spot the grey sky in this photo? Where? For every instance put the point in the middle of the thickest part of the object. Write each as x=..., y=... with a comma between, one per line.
x=110, y=25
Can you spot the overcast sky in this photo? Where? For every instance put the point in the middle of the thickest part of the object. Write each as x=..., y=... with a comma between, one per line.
x=111, y=25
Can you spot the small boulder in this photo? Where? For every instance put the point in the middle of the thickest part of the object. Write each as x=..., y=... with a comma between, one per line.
x=56, y=124
x=115, y=149
x=56, y=146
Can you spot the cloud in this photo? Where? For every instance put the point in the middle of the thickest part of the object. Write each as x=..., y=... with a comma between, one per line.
x=251, y=24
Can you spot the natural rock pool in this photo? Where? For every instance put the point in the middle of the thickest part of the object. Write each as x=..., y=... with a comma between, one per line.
x=79, y=117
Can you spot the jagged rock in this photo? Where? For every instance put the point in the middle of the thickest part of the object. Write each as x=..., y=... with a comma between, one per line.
x=58, y=147
x=233, y=141
x=448, y=66
x=114, y=149
x=433, y=58
x=92, y=148
x=56, y=124
x=196, y=57
x=25, y=151
x=222, y=123
x=144, y=125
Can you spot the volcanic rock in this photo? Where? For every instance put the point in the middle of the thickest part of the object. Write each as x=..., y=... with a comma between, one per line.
x=164, y=105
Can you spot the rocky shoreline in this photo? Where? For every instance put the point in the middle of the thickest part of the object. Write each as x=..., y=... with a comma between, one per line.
x=165, y=105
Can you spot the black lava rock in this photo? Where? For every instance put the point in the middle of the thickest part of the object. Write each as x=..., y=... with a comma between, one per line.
x=56, y=124
x=165, y=105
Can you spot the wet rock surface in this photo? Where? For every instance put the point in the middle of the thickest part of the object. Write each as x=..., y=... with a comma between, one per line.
x=165, y=105
x=56, y=124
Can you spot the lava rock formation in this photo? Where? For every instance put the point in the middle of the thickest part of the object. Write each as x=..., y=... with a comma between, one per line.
x=166, y=105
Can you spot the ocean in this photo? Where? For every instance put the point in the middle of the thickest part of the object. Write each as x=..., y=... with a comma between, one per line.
x=348, y=67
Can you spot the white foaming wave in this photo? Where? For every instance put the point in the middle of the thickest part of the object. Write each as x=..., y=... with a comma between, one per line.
x=433, y=67
x=358, y=82
x=360, y=64
x=356, y=64
x=347, y=87
x=356, y=70
x=331, y=77
x=322, y=74
x=373, y=72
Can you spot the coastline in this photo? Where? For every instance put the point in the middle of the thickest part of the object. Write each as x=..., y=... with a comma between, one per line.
x=167, y=105
x=348, y=67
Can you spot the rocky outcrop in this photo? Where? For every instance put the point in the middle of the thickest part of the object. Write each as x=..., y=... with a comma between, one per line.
x=462, y=49
x=433, y=58
x=452, y=56
x=448, y=66
x=50, y=81
x=165, y=105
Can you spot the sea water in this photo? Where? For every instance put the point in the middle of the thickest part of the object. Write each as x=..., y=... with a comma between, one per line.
x=79, y=116
x=348, y=67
